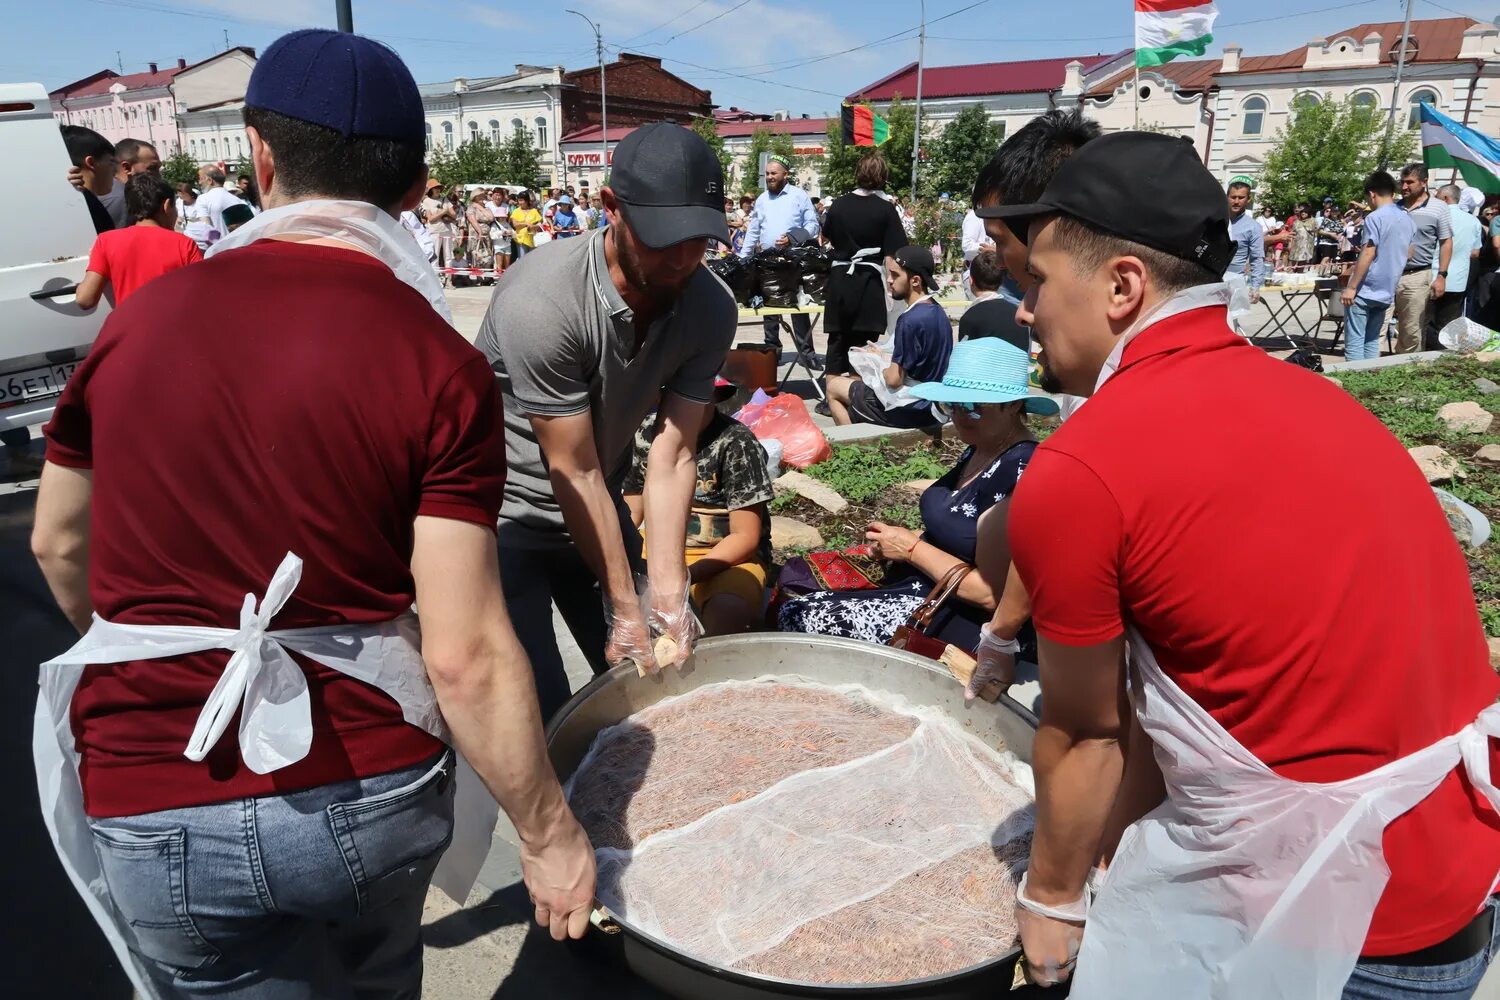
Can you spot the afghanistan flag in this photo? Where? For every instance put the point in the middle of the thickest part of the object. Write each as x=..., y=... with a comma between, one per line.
x=863, y=127
x=1166, y=29
x=1446, y=143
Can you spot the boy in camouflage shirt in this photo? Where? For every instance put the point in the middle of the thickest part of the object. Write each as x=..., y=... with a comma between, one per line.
x=728, y=529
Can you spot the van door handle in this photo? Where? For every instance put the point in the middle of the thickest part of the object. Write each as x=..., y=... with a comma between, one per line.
x=54, y=293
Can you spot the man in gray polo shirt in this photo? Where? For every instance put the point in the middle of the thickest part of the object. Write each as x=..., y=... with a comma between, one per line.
x=588, y=336
x=1418, y=287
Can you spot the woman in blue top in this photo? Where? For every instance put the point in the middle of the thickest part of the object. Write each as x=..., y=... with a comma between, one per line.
x=985, y=393
x=919, y=351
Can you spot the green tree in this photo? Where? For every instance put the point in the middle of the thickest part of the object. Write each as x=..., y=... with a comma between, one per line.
x=709, y=130
x=964, y=146
x=180, y=168
x=520, y=162
x=1328, y=148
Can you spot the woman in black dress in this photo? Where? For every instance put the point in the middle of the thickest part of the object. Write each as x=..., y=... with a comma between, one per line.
x=862, y=229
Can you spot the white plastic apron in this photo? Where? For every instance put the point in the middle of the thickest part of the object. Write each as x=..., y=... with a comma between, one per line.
x=1244, y=885
x=270, y=689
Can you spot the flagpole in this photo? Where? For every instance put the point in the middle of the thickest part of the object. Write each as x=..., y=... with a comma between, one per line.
x=1136, y=93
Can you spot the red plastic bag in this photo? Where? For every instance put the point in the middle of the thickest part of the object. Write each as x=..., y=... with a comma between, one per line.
x=786, y=419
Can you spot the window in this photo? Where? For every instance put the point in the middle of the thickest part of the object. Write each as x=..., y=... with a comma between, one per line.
x=151, y=112
x=495, y=130
x=1418, y=97
x=428, y=130
x=541, y=132
x=193, y=148
x=1253, y=116
x=213, y=145
x=447, y=135
x=516, y=124
x=1306, y=100
x=238, y=151
x=1365, y=100
x=473, y=131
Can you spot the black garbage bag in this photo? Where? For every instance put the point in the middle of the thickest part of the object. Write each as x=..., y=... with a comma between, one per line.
x=779, y=278
x=738, y=275
x=813, y=263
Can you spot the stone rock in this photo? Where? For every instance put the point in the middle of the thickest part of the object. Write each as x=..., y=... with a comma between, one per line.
x=1487, y=357
x=1495, y=655
x=1334, y=381
x=915, y=487
x=1489, y=453
x=1436, y=464
x=790, y=533
x=808, y=488
x=1466, y=418
x=1485, y=386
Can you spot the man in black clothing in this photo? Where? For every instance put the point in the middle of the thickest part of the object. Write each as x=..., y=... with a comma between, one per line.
x=94, y=157
x=993, y=314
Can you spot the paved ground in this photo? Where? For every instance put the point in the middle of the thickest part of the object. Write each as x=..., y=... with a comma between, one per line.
x=484, y=949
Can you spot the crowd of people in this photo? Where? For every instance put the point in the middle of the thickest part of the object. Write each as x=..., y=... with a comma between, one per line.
x=244, y=532
x=1422, y=258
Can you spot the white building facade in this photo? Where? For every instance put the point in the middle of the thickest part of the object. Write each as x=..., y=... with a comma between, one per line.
x=211, y=105
x=531, y=97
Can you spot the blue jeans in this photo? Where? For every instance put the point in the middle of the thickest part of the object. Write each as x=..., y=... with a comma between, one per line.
x=313, y=894
x=1364, y=322
x=1373, y=981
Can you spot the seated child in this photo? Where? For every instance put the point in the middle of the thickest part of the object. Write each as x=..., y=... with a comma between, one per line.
x=728, y=529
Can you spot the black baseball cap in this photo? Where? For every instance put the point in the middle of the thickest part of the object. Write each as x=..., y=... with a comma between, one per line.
x=918, y=260
x=670, y=186
x=1144, y=187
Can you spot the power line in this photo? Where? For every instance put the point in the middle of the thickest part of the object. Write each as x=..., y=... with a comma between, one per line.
x=742, y=76
x=700, y=24
x=1127, y=35
x=675, y=17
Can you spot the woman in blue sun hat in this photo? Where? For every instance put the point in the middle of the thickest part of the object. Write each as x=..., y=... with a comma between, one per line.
x=984, y=393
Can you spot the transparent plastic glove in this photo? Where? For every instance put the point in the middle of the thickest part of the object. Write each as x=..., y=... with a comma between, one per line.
x=996, y=671
x=629, y=638
x=675, y=627
x=1050, y=936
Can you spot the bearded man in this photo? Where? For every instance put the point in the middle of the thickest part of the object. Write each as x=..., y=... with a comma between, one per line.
x=588, y=336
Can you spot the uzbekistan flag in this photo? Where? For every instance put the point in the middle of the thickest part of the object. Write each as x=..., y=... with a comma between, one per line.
x=863, y=127
x=1166, y=29
x=1446, y=143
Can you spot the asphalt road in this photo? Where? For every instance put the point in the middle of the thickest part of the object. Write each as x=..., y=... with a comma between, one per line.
x=53, y=949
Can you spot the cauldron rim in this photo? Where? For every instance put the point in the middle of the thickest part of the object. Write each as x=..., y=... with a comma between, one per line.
x=907, y=987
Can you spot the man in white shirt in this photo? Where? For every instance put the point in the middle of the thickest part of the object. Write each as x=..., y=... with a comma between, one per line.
x=974, y=240
x=214, y=199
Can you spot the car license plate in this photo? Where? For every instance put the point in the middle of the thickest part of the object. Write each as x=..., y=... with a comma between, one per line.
x=34, y=383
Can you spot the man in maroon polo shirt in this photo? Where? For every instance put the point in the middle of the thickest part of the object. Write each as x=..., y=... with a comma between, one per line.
x=339, y=418
x=1308, y=706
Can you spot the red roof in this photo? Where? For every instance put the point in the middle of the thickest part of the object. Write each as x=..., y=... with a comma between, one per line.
x=130, y=81
x=727, y=130
x=1438, y=40
x=1028, y=76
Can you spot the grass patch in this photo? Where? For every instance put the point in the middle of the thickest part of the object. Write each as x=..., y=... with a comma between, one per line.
x=1406, y=399
x=862, y=472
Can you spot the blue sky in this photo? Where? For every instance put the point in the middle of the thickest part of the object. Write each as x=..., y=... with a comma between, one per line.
x=746, y=51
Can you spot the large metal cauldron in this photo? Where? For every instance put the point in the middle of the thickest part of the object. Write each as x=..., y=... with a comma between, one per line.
x=619, y=693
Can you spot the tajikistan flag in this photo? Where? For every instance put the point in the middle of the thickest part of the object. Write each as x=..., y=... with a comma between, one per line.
x=1446, y=143
x=1166, y=29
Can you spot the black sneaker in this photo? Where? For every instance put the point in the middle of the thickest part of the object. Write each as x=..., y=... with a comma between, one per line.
x=822, y=409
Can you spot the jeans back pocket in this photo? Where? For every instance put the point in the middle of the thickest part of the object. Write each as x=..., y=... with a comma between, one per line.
x=392, y=840
x=146, y=874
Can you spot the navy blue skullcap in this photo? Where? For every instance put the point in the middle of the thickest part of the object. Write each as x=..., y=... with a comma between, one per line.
x=351, y=84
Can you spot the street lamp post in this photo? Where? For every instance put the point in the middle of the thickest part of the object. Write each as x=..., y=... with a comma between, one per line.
x=916, y=141
x=346, y=14
x=603, y=101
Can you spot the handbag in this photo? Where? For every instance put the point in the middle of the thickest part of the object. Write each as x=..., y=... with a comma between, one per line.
x=913, y=636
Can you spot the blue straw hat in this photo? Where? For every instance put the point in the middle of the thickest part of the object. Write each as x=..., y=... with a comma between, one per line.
x=986, y=370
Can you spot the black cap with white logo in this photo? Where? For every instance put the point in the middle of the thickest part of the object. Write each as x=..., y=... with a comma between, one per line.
x=670, y=186
x=1145, y=187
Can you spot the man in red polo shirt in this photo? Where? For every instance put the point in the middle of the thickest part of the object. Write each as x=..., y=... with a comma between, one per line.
x=335, y=451
x=1275, y=664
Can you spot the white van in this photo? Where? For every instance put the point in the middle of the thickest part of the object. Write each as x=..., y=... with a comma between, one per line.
x=44, y=251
